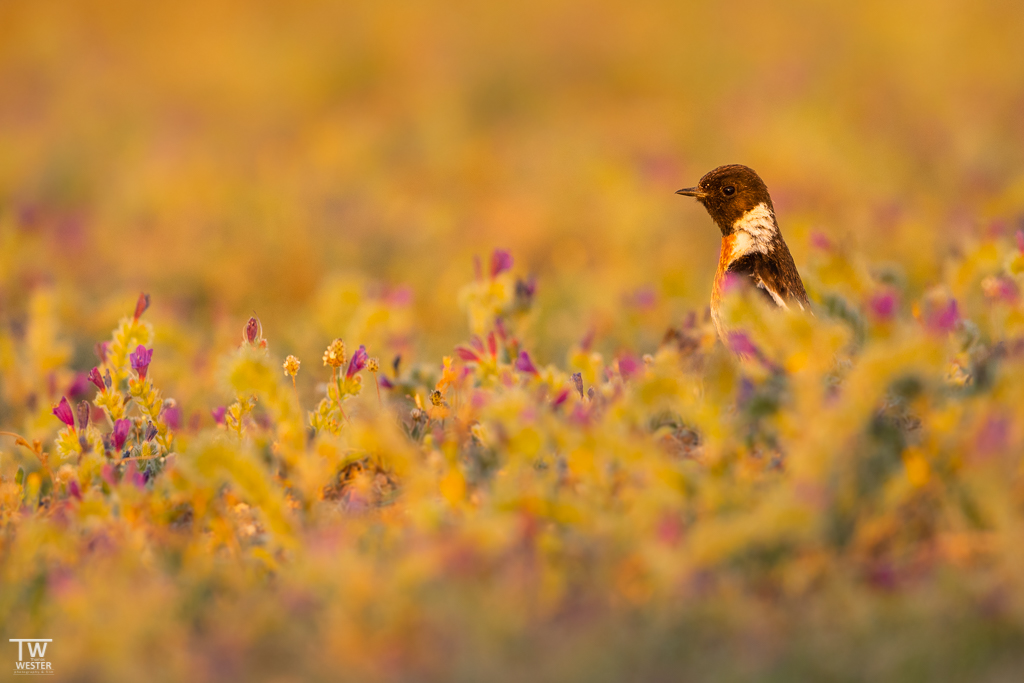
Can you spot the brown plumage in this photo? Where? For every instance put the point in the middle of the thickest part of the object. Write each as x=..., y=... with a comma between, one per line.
x=752, y=245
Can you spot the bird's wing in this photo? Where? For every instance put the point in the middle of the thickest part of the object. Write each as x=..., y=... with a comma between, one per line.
x=748, y=265
x=776, y=278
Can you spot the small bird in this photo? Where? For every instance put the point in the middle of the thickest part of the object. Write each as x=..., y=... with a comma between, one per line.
x=752, y=245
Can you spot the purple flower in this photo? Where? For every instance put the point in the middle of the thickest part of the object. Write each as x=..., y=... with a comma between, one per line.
x=172, y=416
x=524, y=364
x=883, y=305
x=358, y=361
x=133, y=476
x=577, y=381
x=560, y=398
x=730, y=283
x=525, y=289
x=946, y=318
x=385, y=382
x=745, y=392
x=741, y=345
x=63, y=412
x=121, y=429
x=141, y=305
x=74, y=490
x=101, y=351
x=95, y=378
x=141, y=358
x=501, y=261
x=218, y=414
x=78, y=386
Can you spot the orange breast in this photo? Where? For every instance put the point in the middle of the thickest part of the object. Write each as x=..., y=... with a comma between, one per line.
x=725, y=258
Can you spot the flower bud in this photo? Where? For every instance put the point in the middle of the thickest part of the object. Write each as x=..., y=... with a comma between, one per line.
x=141, y=305
x=253, y=332
x=63, y=412
x=95, y=378
x=83, y=409
x=121, y=429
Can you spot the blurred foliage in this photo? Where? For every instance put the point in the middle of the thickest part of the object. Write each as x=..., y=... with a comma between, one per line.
x=512, y=471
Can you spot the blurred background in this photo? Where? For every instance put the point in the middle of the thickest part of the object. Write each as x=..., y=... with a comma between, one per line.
x=308, y=163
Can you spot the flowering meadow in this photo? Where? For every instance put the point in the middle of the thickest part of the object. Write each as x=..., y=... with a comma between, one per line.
x=370, y=343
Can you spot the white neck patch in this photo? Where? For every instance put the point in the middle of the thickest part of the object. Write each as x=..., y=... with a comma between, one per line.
x=754, y=230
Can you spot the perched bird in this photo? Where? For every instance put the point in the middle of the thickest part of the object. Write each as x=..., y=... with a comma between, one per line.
x=752, y=245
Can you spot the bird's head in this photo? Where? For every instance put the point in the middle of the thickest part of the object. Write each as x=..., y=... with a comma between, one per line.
x=728, y=193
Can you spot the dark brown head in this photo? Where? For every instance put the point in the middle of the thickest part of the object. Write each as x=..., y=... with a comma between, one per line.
x=728, y=193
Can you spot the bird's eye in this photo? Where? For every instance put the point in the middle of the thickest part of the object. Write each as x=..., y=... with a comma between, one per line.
x=728, y=190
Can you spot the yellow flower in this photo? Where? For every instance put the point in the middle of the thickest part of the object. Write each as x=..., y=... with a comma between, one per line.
x=373, y=364
x=334, y=356
x=449, y=377
x=291, y=366
x=436, y=398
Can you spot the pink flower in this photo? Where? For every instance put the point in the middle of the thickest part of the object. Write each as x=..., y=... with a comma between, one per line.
x=731, y=282
x=1000, y=288
x=628, y=366
x=471, y=353
x=172, y=416
x=141, y=359
x=95, y=378
x=74, y=490
x=133, y=476
x=524, y=364
x=218, y=414
x=643, y=299
x=560, y=398
x=121, y=429
x=79, y=386
x=63, y=412
x=741, y=345
x=946, y=318
x=252, y=330
x=358, y=361
x=499, y=327
x=883, y=305
x=501, y=261
x=820, y=240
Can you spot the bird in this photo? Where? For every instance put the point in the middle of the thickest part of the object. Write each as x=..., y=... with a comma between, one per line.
x=752, y=245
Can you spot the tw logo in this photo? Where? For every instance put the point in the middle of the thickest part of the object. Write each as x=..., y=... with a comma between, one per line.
x=36, y=664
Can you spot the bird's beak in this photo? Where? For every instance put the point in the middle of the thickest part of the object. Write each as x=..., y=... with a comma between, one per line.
x=692, y=192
